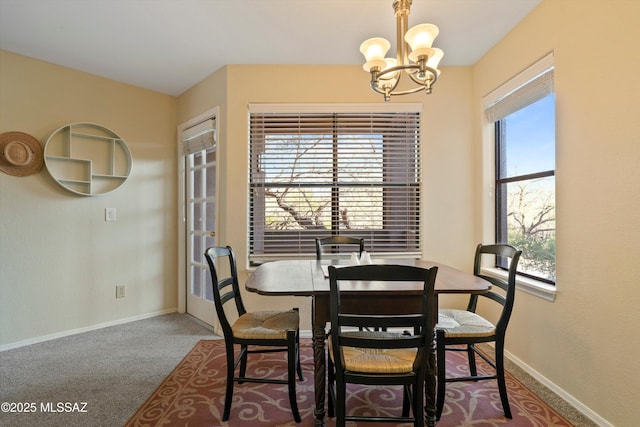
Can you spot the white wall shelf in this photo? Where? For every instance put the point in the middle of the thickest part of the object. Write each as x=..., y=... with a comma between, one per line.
x=87, y=159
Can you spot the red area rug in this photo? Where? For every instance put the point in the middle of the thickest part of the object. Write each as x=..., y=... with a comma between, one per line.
x=193, y=395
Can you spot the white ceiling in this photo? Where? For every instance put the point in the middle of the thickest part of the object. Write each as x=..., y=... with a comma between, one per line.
x=170, y=45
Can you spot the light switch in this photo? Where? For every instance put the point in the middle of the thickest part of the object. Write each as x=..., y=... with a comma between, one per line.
x=110, y=214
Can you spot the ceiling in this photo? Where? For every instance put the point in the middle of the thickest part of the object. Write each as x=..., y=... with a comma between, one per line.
x=170, y=45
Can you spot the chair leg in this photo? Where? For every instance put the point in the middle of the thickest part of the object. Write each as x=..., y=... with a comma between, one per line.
x=418, y=408
x=331, y=380
x=407, y=397
x=229, y=389
x=471, y=355
x=502, y=385
x=292, y=358
x=441, y=374
x=243, y=362
x=341, y=397
x=298, y=364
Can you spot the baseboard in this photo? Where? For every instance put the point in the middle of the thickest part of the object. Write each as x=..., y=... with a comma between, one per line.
x=579, y=406
x=85, y=329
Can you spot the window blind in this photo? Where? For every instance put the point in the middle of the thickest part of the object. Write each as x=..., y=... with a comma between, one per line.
x=316, y=174
x=199, y=137
x=529, y=86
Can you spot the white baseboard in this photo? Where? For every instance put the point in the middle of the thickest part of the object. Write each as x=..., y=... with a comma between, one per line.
x=579, y=406
x=85, y=329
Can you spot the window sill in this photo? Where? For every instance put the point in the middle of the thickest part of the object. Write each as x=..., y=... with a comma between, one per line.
x=530, y=286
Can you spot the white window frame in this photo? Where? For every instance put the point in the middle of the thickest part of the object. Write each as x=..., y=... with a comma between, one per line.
x=532, y=286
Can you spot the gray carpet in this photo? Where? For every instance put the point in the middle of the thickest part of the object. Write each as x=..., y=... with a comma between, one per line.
x=113, y=370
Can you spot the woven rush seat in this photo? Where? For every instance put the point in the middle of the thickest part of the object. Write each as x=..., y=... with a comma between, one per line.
x=376, y=360
x=463, y=323
x=266, y=324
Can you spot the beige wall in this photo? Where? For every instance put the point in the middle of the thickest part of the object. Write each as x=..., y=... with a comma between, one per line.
x=59, y=260
x=446, y=139
x=586, y=342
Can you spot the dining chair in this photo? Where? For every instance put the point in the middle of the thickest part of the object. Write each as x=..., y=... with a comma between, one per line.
x=254, y=332
x=465, y=328
x=337, y=242
x=380, y=358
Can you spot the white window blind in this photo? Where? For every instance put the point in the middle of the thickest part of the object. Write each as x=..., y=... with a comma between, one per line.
x=201, y=136
x=529, y=86
x=321, y=173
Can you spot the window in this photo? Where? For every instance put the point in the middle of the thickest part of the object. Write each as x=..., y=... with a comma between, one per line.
x=525, y=170
x=321, y=170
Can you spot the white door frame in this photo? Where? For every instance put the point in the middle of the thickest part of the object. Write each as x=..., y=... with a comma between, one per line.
x=183, y=287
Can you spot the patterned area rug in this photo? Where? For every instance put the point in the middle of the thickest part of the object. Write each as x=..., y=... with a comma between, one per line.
x=193, y=395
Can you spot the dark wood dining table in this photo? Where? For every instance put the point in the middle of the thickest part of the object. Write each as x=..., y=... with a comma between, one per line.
x=308, y=278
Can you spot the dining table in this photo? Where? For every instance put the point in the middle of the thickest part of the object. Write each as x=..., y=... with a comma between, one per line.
x=309, y=278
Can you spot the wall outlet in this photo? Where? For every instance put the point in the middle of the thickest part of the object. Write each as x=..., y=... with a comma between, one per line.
x=120, y=291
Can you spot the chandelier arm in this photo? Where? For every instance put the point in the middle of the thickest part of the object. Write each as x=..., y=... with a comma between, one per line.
x=425, y=84
x=403, y=92
x=432, y=71
x=388, y=92
x=392, y=70
x=382, y=91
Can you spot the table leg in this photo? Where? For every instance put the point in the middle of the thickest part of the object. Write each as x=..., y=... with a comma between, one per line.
x=430, y=386
x=319, y=361
x=431, y=377
x=319, y=380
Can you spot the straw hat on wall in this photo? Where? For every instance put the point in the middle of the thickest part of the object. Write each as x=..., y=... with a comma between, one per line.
x=20, y=154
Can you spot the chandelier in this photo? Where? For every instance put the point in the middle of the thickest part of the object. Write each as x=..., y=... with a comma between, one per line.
x=414, y=56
